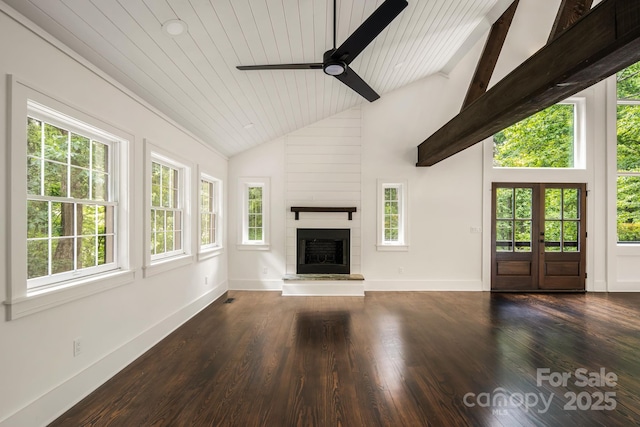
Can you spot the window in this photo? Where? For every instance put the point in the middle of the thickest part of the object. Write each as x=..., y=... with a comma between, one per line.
x=71, y=210
x=628, y=155
x=255, y=213
x=167, y=208
x=210, y=235
x=548, y=139
x=168, y=186
x=392, y=212
x=68, y=204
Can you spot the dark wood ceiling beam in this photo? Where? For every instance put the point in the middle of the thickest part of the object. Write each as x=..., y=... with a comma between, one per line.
x=490, y=54
x=570, y=11
x=603, y=42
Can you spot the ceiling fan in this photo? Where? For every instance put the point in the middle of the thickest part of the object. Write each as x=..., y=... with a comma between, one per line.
x=335, y=62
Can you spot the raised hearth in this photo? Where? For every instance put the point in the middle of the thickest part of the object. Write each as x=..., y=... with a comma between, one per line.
x=314, y=277
x=323, y=285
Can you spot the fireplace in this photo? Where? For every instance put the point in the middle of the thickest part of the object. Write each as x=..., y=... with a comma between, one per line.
x=323, y=251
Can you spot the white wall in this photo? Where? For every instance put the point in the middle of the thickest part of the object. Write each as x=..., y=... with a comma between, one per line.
x=323, y=168
x=40, y=378
x=319, y=165
x=444, y=252
x=258, y=269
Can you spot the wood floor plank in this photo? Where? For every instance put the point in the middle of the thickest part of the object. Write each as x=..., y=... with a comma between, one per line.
x=387, y=359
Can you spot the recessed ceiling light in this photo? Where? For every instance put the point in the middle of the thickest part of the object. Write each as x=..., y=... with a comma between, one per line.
x=174, y=27
x=248, y=126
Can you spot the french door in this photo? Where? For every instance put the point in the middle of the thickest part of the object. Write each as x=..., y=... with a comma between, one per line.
x=538, y=237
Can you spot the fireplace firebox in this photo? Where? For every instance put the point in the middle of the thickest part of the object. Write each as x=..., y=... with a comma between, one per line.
x=323, y=251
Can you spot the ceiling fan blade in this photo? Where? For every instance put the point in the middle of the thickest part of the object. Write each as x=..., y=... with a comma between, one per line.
x=308, y=66
x=368, y=30
x=355, y=82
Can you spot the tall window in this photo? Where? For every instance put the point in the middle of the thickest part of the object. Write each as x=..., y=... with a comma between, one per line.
x=209, y=213
x=254, y=214
x=254, y=199
x=628, y=155
x=71, y=205
x=392, y=211
x=167, y=209
x=544, y=140
x=392, y=221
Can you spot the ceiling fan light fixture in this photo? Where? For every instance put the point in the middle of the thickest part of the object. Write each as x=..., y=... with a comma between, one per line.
x=334, y=68
x=174, y=27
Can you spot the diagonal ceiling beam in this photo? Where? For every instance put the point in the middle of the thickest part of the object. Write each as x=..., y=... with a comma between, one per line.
x=603, y=42
x=490, y=55
x=570, y=11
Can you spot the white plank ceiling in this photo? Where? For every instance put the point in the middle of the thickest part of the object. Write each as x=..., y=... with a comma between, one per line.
x=192, y=77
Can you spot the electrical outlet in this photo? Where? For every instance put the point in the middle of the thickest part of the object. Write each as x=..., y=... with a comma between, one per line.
x=206, y=280
x=400, y=270
x=265, y=270
x=77, y=346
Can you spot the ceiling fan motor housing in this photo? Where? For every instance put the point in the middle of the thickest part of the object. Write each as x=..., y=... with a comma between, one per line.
x=332, y=67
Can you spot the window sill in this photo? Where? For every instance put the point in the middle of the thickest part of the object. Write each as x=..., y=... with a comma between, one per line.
x=253, y=247
x=393, y=248
x=42, y=299
x=164, y=265
x=210, y=253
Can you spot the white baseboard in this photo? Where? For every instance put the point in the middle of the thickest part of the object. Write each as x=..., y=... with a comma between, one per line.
x=255, y=285
x=423, y=285
x=625, y=286
x=599, y=286
x=55, y=402
x=369, y=285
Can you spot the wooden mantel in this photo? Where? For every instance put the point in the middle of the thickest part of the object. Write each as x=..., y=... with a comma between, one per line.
x=298, y=209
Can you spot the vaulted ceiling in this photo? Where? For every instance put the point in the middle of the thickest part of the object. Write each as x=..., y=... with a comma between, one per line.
x=192, y=77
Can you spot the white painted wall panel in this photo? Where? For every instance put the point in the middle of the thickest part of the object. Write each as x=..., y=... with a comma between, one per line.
x=40, y=376
x=323, y=172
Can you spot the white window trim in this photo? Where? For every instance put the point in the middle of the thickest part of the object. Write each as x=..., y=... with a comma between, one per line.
x=185, y=256
x=580, y=138
x=216, y=248
x=243, y=185
x=20, y=300
x=402, y=245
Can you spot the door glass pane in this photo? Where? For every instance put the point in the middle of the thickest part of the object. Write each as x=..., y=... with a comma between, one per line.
x=570, y=203
x=523, y=236
x=553, y=203
x=504, y=236
x=570, y=236
x=504, y=203
x=524, y=198
x=552, y=233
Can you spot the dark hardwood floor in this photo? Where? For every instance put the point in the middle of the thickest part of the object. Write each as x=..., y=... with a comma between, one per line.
x=388, y=359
